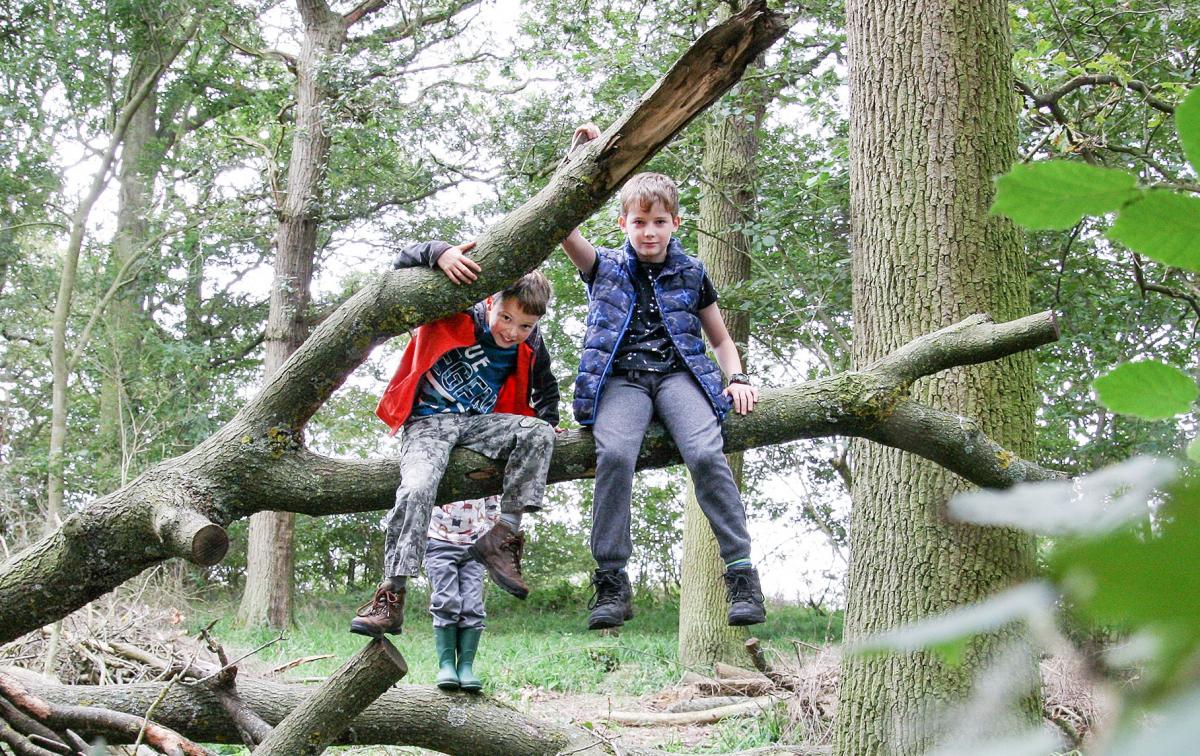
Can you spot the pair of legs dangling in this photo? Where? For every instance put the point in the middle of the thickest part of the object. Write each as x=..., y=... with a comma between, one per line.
x=630, y=401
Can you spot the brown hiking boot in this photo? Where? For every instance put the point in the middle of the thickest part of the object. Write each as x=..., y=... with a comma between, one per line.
x=384, y=613
x=500, y=551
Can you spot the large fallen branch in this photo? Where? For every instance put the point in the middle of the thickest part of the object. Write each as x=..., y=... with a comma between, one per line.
x=411, y=715
x=83, y=717
x=706, y=716
x=322, y=716
x=180, y=507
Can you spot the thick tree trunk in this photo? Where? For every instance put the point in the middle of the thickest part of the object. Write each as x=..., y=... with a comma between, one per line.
x=727, y=203
x=932, y=121
x=270, y=551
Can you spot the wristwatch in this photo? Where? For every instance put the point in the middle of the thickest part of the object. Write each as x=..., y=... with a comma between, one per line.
x=740, y=378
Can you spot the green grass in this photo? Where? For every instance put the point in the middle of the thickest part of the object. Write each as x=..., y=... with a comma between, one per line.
x=543, y=645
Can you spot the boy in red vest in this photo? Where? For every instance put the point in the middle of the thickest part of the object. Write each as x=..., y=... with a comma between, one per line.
x=479, y=379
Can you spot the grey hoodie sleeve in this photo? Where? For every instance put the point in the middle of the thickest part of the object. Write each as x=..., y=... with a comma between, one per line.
x=423, y=253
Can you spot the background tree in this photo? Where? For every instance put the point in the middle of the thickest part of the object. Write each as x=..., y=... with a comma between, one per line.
x=270, y=560
x=932, y=120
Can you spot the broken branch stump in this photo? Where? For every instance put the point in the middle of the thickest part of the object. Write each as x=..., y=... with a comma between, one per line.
x=759, y=657
x=325, y=714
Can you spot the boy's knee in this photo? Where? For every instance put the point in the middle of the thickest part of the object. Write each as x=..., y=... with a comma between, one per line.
x=708, y=462
x=417, y=485
x=617, y=455
x=538, y=432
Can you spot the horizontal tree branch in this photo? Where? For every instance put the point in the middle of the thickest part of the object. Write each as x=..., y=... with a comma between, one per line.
x=1050, y=99
x=405, y=29
x=870, y=404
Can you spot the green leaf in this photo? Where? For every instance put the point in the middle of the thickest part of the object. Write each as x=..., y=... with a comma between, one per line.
x=1057, y=193
x=1149, y=390
x=1162, y=225
x=1193, y=450
x=1143, y=581
x=949, y=634
x=1187, y=123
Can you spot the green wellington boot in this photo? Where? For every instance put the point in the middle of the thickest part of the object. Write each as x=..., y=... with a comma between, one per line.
x=446, y=641
x=468, y=642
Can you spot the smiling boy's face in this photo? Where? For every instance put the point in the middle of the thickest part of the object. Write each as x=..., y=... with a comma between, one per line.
x=649, y=230
x=508, y=322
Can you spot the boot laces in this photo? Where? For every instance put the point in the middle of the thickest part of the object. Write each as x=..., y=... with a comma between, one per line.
x=607, y=586
x=739, y=586
x=514, y=545
x=379, y=605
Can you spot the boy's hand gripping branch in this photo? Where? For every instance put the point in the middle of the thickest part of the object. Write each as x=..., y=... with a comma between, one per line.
x=457, y=266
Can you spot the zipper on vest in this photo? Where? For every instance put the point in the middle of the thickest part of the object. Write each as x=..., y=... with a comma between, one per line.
x=682, y=356
x=612, y=357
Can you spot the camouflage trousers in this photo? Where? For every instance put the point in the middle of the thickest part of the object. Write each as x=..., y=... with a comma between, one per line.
x=526, y=442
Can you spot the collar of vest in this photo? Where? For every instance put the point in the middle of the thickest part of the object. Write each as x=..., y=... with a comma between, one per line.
x=676, y=260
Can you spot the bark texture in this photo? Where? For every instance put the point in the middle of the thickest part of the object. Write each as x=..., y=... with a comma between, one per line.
x=730, y=147
x=320, y=718
x=933, y=119
x=270, y=549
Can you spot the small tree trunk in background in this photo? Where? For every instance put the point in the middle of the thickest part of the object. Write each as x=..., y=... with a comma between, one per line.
x=139, y=166
x=270, y=551
x=932, y=120
x=730, y=146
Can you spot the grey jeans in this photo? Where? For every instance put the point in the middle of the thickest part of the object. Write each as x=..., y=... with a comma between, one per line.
x=527, y=443
x=455, y=585
x=626, y=408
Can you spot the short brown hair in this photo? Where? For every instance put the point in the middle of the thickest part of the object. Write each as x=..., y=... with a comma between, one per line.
x=648, y=188
x=532, y=291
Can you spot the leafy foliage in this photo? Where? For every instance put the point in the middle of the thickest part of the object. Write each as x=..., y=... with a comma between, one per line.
x=1056, y=195
x=1149, y=390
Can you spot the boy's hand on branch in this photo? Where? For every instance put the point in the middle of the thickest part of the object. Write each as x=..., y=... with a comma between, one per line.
x=457, y=266
x=744, y=397
x=583, y=134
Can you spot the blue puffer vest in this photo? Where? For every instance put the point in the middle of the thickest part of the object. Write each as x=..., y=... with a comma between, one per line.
x=611, y=302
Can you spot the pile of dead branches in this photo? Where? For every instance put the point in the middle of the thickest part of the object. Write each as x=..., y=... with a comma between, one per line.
x=84, y=646
x=808, y=686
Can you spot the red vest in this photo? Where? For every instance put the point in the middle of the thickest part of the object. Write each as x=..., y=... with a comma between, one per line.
x=428, y=344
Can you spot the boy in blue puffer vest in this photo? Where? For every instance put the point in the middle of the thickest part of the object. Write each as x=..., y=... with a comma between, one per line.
x=644, y=357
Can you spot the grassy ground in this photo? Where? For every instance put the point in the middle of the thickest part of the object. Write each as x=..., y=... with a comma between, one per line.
x=524, y=647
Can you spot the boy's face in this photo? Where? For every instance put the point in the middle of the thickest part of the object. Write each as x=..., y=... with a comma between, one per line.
x=649, y=231
x=508, y=322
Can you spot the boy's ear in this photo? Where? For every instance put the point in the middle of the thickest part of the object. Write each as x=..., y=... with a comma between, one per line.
x=621, y=221
x=677, y=220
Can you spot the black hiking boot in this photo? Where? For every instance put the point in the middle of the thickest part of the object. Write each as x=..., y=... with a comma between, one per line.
x=612, y=603
x=745, y=596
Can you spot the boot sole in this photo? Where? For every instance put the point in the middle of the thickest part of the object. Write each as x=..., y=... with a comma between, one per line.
x=744, y=621
x=363, y=629
x=509, y=587
x=449, y=686
x=606, y=624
